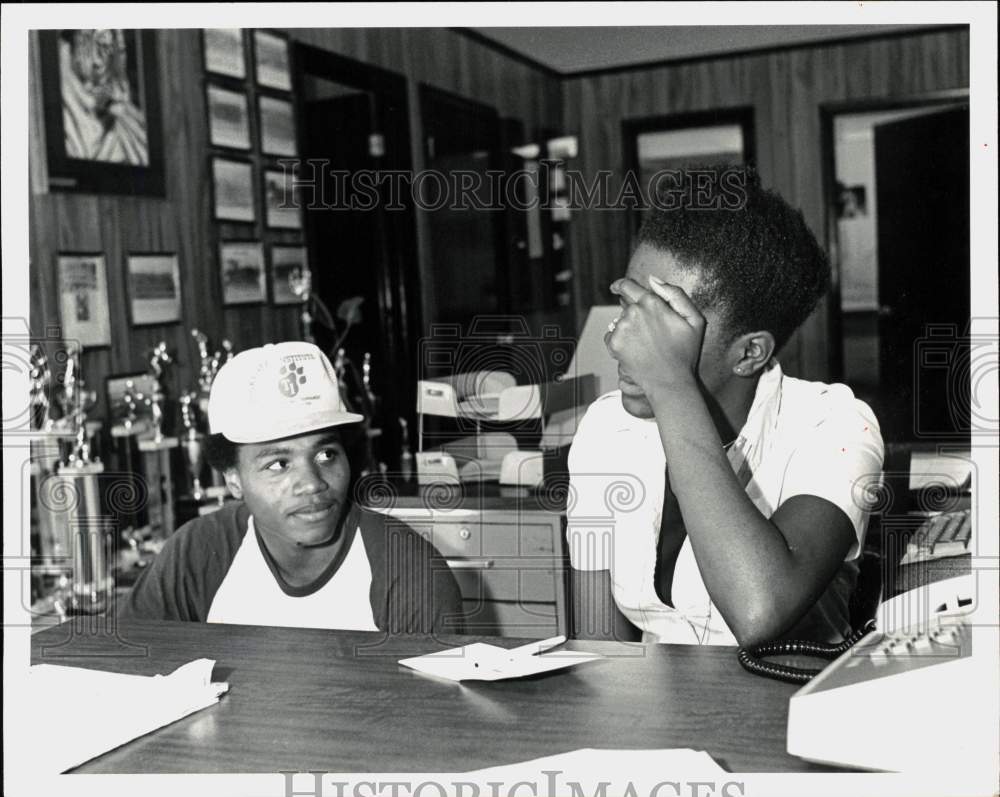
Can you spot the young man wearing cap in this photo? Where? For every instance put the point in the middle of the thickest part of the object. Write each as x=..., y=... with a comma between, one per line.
x=716, y=500
x=295, y=550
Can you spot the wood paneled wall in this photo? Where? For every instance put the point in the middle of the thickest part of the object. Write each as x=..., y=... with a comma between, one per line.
x=182, y=221
x=455, y=63
x=786, y=89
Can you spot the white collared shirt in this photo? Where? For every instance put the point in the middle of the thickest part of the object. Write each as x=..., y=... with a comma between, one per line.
x=800, y=438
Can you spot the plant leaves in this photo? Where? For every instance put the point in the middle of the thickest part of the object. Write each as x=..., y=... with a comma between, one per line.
x=350, y=310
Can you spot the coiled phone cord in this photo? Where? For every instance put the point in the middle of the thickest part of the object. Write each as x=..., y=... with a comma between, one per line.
x=750, y=658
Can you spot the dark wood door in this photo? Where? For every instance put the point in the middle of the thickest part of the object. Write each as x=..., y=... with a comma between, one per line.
x=466, y=236
x=922, y=184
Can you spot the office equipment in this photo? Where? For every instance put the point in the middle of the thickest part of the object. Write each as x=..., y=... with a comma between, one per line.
x=476, y=397
x=100, y=711
x=941, y=536
x=331, y=701
x=483, y=662
x=904, y=694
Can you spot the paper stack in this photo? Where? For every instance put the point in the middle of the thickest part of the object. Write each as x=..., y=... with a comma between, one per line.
x=80, y=714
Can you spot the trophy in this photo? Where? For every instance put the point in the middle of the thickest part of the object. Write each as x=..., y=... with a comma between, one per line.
x=41, y=383
x=191, y=442
x=300, y=283
x=69, y=501
x=156, y=451
x=208, y=367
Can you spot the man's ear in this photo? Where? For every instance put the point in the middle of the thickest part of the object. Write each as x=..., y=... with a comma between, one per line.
x=233, y=482
x=752, y=352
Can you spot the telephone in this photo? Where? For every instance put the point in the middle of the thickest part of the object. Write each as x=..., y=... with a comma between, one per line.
x=905, y=696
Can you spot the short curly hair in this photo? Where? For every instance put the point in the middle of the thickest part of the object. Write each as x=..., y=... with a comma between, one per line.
x=222, y=453
x=760, y=265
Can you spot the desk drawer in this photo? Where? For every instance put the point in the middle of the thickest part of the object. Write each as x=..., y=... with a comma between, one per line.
x=473, y=537
x=505, y=580
x=530, y=620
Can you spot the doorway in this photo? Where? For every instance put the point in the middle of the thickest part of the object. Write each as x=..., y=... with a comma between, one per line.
x=354, y=119
x=897, y=188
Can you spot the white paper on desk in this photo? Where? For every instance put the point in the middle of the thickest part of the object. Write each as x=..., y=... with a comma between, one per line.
x=79, y=714
x=482, y=662
x=592, y=766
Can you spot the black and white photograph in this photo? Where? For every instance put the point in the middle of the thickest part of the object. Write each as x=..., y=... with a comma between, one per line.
x=233, y=190
x=241, y=269
x=282, y=203
x=101, y=102
x=289, y=274
x=223, y=52
x=538, y=400
x=228, y=118
x=83, y=299
x=154, y=283
x=277, y=126
x=271, y=54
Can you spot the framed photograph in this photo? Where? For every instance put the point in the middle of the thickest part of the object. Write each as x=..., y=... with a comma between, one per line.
x=277, y=126
x=288, y=265
x=233, y=186
x=241, y=265
x=273, y=70
x=101, y=100
x=223, y=48
x=83, y=299
x=281, y=201
x=228, y=118
x=154, y=286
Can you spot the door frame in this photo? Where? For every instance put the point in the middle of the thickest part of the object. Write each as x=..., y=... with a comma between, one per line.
x=828, y=111
x=397, y=275
x=632, y=128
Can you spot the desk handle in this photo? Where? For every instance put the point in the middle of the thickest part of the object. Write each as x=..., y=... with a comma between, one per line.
x=470, y=564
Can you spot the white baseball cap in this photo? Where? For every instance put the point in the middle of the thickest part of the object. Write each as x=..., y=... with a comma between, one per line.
x=275, y=391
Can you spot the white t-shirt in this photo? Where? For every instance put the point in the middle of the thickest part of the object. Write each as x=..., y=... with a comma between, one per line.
x=800, y=438
x=250, y=595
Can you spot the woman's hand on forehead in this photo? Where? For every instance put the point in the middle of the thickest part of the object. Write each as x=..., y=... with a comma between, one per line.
x=658, y=337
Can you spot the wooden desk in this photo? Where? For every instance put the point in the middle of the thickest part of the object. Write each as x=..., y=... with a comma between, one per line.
x=336, y=701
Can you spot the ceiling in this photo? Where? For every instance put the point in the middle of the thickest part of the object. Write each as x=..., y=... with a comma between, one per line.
x=581, y=49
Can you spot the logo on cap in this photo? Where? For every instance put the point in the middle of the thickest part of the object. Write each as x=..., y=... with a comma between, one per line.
x=290, y=377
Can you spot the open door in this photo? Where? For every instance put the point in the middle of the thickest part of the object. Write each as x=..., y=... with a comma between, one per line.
x=922, y=179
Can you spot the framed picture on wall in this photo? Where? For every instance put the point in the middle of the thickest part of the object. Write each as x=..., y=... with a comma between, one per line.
x=232, y=182
x=241, y=267
x=154, y=289
x=277, y=126
x=281, y=202
x=83, y=298
x=223, y=49
x=289, y=266
x=101, y=100
x=271, y=51
x=228, y=118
